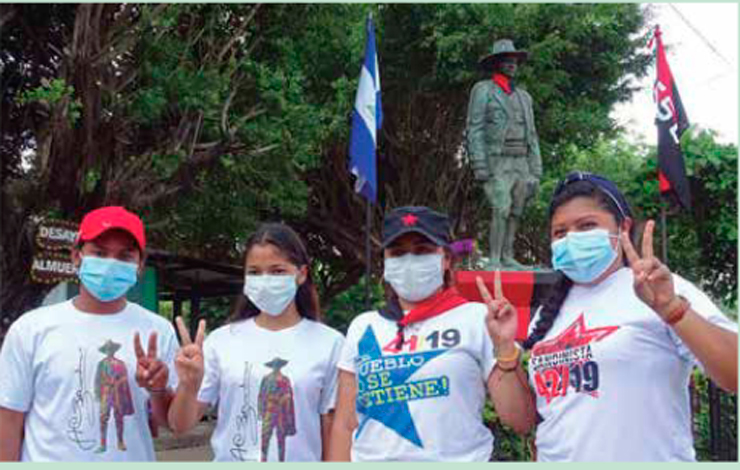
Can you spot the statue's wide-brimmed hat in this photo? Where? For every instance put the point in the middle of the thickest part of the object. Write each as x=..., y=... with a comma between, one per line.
x=276, y=363
x=110, y=347
x=502, y=48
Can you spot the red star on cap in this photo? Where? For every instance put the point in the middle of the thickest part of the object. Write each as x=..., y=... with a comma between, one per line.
x=409, y=220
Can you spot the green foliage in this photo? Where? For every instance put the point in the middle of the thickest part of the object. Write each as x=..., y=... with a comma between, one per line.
x=702, y=242
x=216, y=311
x=257, y=97
x=54, y=92
x=727, y=415
x=583, y=58
x=92, y=177
x=350, y=303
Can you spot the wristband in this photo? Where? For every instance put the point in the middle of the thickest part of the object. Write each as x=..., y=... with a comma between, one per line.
x=677, y=314
x=158, y=391
x=513, y=358
x=507, y=369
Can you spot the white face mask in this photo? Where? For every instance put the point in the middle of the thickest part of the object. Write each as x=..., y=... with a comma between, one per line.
x=414, y=277
x=271, y=293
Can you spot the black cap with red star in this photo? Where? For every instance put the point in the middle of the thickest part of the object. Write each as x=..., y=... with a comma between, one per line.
x=420, y=219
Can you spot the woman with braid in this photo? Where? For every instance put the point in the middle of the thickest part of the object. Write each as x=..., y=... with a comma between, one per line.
x=612, y=350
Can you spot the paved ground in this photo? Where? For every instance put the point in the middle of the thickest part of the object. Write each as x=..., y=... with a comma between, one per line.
x=187, y=454
x=193, y=447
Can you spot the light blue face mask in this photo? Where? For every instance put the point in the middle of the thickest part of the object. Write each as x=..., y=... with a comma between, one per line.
x=584, y=256
x=107, y=279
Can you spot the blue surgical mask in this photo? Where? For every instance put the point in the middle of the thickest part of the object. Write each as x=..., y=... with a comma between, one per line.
x=584, y=256
x=107, y=279
x=271, y=293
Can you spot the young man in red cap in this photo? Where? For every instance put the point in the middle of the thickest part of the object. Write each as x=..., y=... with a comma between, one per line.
x=70, y=369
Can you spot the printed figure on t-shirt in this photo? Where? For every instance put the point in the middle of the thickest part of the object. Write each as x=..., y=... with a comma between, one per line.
x=276, y=408
x=112, y=389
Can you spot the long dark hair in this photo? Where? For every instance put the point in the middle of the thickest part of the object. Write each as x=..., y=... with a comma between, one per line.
x=559, y=291
x=392, y=308
x=289, y=244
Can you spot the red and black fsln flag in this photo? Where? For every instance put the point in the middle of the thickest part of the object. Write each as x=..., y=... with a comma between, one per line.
x=671, y=121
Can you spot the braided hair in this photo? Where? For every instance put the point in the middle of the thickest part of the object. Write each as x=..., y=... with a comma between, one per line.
x=558, y=292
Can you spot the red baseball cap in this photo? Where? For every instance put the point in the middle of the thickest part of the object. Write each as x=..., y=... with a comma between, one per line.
x=112, y=217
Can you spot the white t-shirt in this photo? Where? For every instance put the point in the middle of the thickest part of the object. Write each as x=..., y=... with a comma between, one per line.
x=53, y=369
x=426, y=401
x=626, y=374
x=270, y=385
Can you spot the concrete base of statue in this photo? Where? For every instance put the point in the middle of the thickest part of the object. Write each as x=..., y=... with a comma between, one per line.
x=525, y=289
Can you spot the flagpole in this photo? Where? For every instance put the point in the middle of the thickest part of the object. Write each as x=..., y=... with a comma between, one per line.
x=664, y=232
x=368, y=253
x=671, y=122
x=367, y=119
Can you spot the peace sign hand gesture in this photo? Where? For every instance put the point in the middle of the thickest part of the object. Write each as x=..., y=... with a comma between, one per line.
x=501, y=320
x=151, y=373
x=189, y=359
x=653, y=280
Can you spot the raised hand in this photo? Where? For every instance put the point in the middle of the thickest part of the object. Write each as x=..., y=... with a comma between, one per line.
x=151, y=373
x=501, y=320
x=653, y=280
x=189, y=359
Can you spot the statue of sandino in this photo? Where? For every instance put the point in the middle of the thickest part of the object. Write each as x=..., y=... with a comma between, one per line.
x=503, y=147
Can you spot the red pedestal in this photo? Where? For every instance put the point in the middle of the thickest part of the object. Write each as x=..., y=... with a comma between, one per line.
x=524, y=289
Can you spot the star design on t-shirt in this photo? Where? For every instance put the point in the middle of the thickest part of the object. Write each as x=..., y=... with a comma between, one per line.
x=574, y=336
x=397, y=369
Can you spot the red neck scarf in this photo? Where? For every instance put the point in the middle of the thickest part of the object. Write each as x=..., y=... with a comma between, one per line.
x=433, y=306
x=503, y=81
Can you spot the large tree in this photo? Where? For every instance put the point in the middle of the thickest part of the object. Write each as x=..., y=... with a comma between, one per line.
x=145, y=106
x=210, y=118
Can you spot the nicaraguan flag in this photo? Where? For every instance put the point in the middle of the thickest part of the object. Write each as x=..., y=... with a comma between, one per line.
x=367, y=118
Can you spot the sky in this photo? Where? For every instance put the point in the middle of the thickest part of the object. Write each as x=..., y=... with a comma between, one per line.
x=707, y=79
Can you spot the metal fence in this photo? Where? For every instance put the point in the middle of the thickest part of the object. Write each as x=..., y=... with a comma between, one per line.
x=714, y=414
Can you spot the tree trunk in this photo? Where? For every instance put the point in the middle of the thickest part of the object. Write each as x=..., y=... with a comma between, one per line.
x=18, y=293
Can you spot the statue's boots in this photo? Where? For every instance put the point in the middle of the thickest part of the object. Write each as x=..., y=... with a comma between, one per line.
x=512, y=264
x=507, y=258
x=497, y=237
